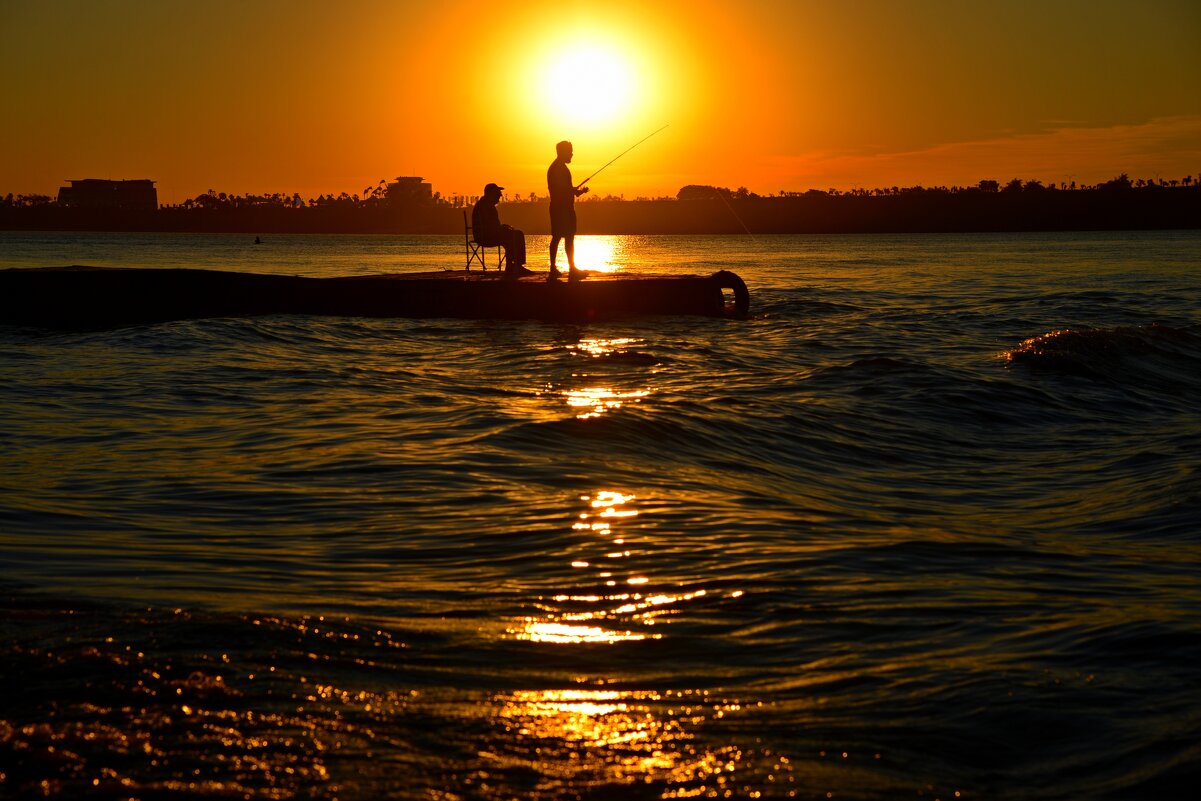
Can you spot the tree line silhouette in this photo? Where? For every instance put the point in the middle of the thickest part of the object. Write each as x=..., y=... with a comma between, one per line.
x=989, y=205
x=1121, y=182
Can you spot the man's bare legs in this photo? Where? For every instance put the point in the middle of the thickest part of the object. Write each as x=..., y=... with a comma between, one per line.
x=569, y=249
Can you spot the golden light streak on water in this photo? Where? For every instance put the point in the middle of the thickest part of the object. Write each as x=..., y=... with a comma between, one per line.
x=604, y=347
x=599, y=253
x=633, y=737
x=599, y=400
x=593, y=718
x=582, y=617
x=609, y=500
x=536, y=630
x=596, y=400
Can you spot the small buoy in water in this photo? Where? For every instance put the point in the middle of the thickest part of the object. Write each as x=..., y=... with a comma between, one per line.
x=258, y=241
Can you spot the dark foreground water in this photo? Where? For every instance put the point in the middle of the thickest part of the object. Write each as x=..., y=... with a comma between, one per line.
x=927, y=526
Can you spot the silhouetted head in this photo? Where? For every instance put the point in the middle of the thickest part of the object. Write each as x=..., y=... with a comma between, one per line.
x=564, y=150
x=492, y=191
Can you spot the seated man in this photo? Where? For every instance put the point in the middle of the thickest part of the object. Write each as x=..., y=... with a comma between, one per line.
x=487, y=230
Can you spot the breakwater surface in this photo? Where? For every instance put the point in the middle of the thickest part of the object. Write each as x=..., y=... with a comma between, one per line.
x=925, y=525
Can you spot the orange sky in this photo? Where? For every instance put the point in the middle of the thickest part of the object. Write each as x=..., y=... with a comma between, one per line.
x=316, y=97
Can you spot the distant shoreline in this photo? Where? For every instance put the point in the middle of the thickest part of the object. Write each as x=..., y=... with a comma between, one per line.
x=905, y=211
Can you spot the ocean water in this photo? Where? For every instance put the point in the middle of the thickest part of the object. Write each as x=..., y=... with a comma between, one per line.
x=928, y=525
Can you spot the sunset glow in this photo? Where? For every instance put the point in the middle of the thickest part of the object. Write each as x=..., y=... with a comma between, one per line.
x=312, y=98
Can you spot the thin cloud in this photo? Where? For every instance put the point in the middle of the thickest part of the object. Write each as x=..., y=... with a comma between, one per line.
x=1167, y=147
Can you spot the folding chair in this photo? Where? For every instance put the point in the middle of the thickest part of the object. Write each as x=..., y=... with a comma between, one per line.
x=477, y=252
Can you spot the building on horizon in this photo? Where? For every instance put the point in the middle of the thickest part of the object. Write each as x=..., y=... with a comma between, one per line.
x=409, y=189
x=99, y=193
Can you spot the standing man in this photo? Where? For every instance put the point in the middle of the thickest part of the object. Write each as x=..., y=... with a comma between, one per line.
x=487, y=230
x=562, y=211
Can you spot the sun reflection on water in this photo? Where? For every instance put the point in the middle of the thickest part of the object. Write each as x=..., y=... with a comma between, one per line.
x=634, y=737
x=595, y=401
x=543, y=631
x=604, y=347
x=604, y=734
x=615, y=604
x=557, y=624
x=591, y=401
x=600, y=253
x=593, y=718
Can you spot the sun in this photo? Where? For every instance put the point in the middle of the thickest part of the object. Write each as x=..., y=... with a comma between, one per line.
x=599, y=84
x=588, y=84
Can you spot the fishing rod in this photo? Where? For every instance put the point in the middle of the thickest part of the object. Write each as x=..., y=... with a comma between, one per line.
x=580, y=185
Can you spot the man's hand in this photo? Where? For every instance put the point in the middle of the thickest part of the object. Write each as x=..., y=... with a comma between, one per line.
x=582, y=190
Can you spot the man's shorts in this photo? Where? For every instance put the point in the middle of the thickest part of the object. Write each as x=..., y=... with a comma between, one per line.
x=562, y=220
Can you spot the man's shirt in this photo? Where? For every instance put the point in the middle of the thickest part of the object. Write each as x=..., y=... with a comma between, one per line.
x=485, y=222
x=558, y=182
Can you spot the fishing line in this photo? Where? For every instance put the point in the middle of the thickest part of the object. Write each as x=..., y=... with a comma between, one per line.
x=726, y=200
x=580, y=185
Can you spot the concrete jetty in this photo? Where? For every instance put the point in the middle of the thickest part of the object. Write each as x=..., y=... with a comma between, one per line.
x=84, y=297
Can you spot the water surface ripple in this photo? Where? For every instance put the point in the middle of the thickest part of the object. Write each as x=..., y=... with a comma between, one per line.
x=926, y=525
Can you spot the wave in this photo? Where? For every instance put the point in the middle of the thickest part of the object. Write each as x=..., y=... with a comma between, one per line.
x=1156, y=355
